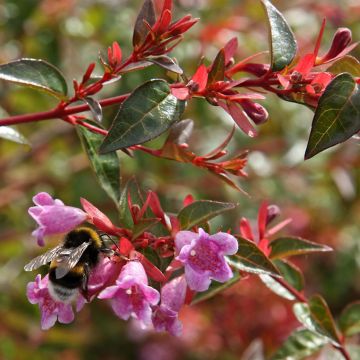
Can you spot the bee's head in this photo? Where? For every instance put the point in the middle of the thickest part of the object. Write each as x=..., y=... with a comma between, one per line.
x=80, y=235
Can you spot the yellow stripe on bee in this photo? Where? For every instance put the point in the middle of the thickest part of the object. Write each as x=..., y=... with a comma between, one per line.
x=78, y=269
x=92, y=234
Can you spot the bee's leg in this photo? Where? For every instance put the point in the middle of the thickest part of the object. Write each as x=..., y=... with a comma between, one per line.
x=85, y=282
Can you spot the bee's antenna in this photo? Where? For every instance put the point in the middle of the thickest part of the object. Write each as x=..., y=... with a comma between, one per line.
x=116, y=245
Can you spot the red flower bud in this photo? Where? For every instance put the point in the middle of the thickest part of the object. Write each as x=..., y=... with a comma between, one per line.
x=255, y=111
x=272, y=212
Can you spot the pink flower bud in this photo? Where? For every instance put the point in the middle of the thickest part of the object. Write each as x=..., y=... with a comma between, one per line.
x=255, y=111
x=341, y=40
x=272, y=212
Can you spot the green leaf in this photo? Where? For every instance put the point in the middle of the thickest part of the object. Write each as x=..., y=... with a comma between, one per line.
x=149, y=111
x=347, y=64
x=9, y=133
x=95, y=108
x=106, y=167
x=289, y=246
x=166, y=63
x=290, y=273
x=215, y=288
x=217, y=71
x=349, y=321
x=276, y=287
x=282, y=40
x=299, y=345
x=201, y=211
x=37, y=74
x=317, y=317
x=147, y=13
x=250, y=258
x=143, y=225
x=337, y=116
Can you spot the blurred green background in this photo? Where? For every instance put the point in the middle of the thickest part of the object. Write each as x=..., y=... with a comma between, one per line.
x=321, y=195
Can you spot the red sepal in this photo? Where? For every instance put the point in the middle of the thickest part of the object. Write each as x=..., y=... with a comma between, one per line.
x=151, y=270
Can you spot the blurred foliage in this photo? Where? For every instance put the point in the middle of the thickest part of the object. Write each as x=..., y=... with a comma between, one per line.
x=321, y=195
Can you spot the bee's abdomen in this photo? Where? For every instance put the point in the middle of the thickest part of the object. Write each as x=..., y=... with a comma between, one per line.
x=61, y=293
x=73, y=279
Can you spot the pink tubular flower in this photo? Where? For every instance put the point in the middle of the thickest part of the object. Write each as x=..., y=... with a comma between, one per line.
x=38, y=293
x=53, y=216
x=131, y=295
x=203, y=256
x=165, y=315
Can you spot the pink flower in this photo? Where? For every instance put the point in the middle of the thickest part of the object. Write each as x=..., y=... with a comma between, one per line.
x=131, y=295
x=38, y=293
x=53, y=216
x=203, y=256
x=165, y=316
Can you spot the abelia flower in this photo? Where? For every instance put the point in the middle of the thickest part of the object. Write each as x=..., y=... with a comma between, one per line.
x=203, y=256
x=165, y=315
x=131, y=295
x=53, y=216
x=51, y=310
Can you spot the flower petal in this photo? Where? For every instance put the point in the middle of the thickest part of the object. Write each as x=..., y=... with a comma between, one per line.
x=151, y=295
x=224, y=274
x=42, y=199
x=66, y=314
x=109, y=292
x=183, y=238
x=173, y=293
x=226, y=242
x=197, y=281
x=122, y=305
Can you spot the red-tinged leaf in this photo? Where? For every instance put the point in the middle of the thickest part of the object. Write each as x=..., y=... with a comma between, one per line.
x=245, y=229
x=272, y=231
x=181, y=93
x=200, y=78
x=164, y=22
x=182, y=26
x=262, y=219
x=230, y=49
x=349, y=320
x=242, y=96
x=283, y=81
x=151, y=270
x=143, y=225
x=155, y=206
x=167, y=63
x=290, y=246
x=180, y=132
x=125, y=246
x=217, y=71
x=222, y=146
x=230, y=182
x=147, y=13
x=116, y=52
x=98, y=218
x=189, y=199
x=139, y=65
x=305, y=64
x=347, y=64
x=239, y=117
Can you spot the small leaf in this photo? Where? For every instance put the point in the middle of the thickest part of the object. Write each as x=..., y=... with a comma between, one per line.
x=37, y=74
x=167, y=63
x=349, y=321
x=200, y=211
x=289, y=246
x=299, y=345
x=9, y=133
x=180, y=132
x=139, y=65
x=217, y=71
x=215, y=288
x=250, y=258
x=147, y=13
x=347, y=64
x=142, y=226
x=149, y=111
x=337, y=116
x=317, y=317
x=95, y=108
x=106, y=167
x=282, y=40
x=291, y=274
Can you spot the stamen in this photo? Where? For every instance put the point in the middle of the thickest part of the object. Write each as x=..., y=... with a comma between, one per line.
x=192, y=252
x=128, y=291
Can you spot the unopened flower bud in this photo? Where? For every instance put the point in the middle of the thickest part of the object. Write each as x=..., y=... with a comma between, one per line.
x=255, y=69
x=272, y=212
x=341, y=40
x=255, y=111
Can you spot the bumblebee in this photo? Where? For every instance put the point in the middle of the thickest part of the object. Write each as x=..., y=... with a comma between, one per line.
x=71, y=263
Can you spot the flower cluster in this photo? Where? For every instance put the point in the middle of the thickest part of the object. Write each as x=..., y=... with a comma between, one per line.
x=122, y=277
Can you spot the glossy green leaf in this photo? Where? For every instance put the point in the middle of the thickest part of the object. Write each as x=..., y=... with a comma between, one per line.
x=276, y=287
x=217, y=71
x=9, y=133
x=290, y=273
x=337, y=116
x=215, y=288
x=250, y=258
x=299, y=345
x=166, y=63
x=347, y=64
x=289, y=246
x=201, y=211
x=149, y=111
x=317, y=317
x=282, y=40
x=95, y=108
x=106, y=167
x=37, y=74
x=146, y=14
x=349, y=321
x=143, y=225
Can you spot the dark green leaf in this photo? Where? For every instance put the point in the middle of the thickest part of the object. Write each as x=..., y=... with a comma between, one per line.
x=299, y=345
x=250, y=258
x=142, y=226
x=337, y=116
x=147, y=13
x=9, y=133
x=167, y=63
x=37, y=74
x=95, y=108
x=282, y=41
x=289, y=246
x=347, y=64
x=201, y=211
x=215, y=288
x=317, y=317
x=290, y=273
x=349, y=320
x=149, y=111
x=106, y=167
x=217, y=71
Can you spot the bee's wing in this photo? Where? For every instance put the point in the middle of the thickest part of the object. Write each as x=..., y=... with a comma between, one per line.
x=66, y=262
x=43, y=259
